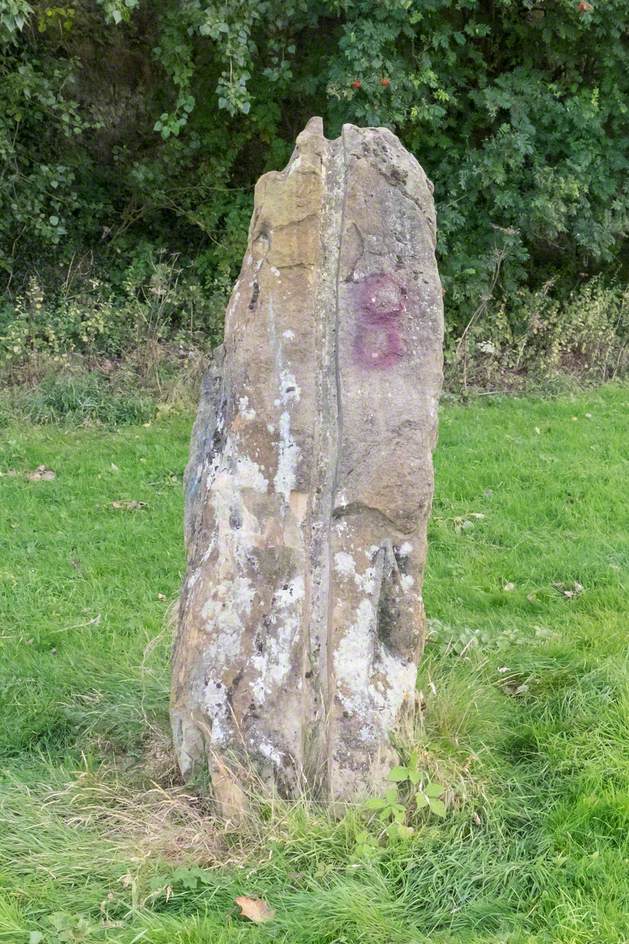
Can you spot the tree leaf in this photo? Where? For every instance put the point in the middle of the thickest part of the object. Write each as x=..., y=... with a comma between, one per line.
x=255, y=909
x=375, y=803
x=437, y=807
x=421, y=800
x=434, y=790
x=398, y=774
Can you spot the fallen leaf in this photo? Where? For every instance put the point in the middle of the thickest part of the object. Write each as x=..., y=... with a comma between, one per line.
x=128, y=505
x=11, y=473
x=508, y=587
x=255, y=909
x=41, y=474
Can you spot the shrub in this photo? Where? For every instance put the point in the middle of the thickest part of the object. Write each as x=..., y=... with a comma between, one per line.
x=586, y=335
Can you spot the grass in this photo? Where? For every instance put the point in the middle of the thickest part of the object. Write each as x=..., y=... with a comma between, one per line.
x=524, y=686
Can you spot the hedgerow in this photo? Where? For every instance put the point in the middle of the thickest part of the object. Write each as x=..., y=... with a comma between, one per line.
x=130, y=130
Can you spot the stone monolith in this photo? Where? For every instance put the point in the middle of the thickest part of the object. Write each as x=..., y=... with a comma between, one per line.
x=310, y=479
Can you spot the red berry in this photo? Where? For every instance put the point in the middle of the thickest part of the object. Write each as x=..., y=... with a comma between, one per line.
x=385, y=82
x=356, y=84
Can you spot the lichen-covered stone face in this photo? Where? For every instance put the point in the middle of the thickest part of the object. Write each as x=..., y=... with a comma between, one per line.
x=310, y=479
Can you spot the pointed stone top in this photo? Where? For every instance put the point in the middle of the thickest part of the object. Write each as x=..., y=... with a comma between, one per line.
x=314, y=126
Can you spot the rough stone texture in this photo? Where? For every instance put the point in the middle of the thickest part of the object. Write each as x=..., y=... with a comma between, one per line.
x=310, y=478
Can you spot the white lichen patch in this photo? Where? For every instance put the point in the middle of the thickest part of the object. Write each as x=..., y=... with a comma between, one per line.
x=271, y=753
x=215, y=699
x=405, y=549
x=289, y=593
x=272, y=666
x=393, y=684
x=245, y=410
x=407, y=582
x=290, y=391
x=288, y=334
x=230, y=480
x=287, y=459
x=353, y=658
x=371, y=682
x=345, y=565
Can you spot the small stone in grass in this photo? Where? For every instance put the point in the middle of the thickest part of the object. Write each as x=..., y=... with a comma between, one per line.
x=41, y=474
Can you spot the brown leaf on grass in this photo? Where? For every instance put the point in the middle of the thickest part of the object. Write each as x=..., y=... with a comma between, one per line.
x=255, y=909
x=41, y=474
x=128, y=505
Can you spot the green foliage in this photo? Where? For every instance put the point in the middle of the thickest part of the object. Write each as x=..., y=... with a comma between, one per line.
x=413, y=790
x=157, y=299
x=517, y=111
x=539, y=337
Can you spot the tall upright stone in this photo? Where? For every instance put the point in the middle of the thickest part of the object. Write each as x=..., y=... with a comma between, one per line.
x=310, y=479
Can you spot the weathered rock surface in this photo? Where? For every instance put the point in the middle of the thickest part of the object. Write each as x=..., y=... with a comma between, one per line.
x=310, y=478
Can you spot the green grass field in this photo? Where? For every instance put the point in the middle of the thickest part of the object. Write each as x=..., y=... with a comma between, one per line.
x=524, y=686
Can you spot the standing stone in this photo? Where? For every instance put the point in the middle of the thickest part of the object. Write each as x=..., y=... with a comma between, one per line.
x=310, y=479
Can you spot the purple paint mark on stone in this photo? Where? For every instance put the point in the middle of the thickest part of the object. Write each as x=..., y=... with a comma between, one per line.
x=380, y=302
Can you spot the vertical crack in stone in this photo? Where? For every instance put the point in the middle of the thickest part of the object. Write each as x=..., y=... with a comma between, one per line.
x=337, y=422
x=327, y=436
